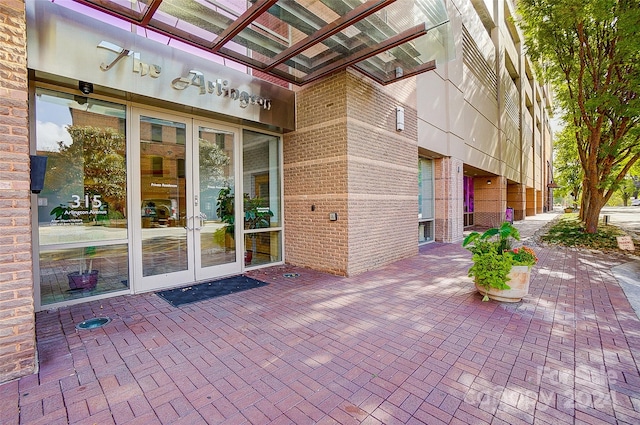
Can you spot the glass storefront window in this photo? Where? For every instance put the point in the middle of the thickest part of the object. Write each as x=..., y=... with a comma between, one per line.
x=468, y=201
x=82, y=215
x=425, y=200
x=105, y=269
x=262, y=198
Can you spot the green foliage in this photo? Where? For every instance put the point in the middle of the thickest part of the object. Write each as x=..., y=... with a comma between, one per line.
x=568, y=170
x=626, y=189
x=492, y=256
x=60, y=212
x=502, y=237
x=490, y=267
x=523, y=256
x=590, y=52
x=225, y=209
x=255, y=215
x=93, y=164
x=570, y=231
x=100, y=152
x=213, y=161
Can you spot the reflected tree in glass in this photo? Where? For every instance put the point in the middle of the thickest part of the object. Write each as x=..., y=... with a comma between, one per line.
x=213, y=161
x=93, y=164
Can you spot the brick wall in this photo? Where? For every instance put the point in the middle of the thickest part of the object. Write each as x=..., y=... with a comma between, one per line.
x=315, y=178
x=516, y=199
x=449, y=193
x=383, y=174
x=531, y=201
x=490, y=200
x=17, y=331
x=539, y=202
x=346, y=157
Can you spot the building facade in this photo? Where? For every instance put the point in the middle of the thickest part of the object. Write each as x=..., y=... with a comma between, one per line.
x=164, y=163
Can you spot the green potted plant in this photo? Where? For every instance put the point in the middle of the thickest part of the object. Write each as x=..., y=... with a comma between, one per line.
x=226, y=214
x=255, y=217
x=495, y=263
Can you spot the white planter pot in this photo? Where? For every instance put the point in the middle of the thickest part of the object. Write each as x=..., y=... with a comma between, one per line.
x=519, y=282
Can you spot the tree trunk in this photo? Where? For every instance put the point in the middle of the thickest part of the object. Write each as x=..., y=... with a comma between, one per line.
x=592, y=202
x=591, y=218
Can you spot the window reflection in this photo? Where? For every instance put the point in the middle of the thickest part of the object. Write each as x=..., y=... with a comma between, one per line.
x=84, y=195
x=82, y=217
x=261, y=185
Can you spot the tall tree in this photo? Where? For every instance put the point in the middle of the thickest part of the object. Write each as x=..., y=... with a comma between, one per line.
x=589, y=51
x=626, y=190
x=569, y=174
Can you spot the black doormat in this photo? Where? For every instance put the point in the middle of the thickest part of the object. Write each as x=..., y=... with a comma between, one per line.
x=204, y=291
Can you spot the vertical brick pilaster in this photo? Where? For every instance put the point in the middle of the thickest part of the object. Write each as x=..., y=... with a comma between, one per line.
x=490, y=200
x=531, y=201
x=449, y=196
x=517, y=199
x=383, y=173
x=347, y=157
x=315, y=178
x=539, y=202
x=17, y=322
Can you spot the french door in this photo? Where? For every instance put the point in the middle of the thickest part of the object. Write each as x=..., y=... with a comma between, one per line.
x=184, y=197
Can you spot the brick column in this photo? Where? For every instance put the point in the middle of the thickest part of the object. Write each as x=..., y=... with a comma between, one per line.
x=517, y=199
x=347, y=157
x=315, y=178
x=17, y=322
x=539, y=202
x=490, y=200
x=449, y=199
x=531, y=201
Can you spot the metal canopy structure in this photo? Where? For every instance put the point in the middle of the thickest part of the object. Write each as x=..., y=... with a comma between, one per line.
x=300, y=41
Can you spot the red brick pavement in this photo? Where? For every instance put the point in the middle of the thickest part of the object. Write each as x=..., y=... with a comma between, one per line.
x=411, y=343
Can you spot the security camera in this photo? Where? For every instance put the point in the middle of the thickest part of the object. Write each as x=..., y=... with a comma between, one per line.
x=86, y=88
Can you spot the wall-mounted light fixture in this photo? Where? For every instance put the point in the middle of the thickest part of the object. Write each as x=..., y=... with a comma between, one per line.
x=84, y=87
x=489, y=181
x=399, y=118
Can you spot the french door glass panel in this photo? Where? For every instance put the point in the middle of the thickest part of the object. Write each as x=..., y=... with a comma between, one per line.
x=187, y=201
x=163, y=185
x=215, y=192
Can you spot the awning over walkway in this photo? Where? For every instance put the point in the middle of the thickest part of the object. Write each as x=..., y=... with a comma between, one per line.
x=300, y=41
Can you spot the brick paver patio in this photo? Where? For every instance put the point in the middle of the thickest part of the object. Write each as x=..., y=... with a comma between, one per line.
x=409, y=343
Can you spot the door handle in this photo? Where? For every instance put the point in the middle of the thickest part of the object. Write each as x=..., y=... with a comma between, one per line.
x=201, y=223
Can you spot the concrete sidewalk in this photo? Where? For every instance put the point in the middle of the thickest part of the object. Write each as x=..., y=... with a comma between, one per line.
x=409, y=343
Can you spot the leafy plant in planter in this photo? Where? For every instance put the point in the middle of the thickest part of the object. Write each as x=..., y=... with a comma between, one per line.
x=85, y=277
x=225, y=211
x=255, y=217
x=494, y=261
